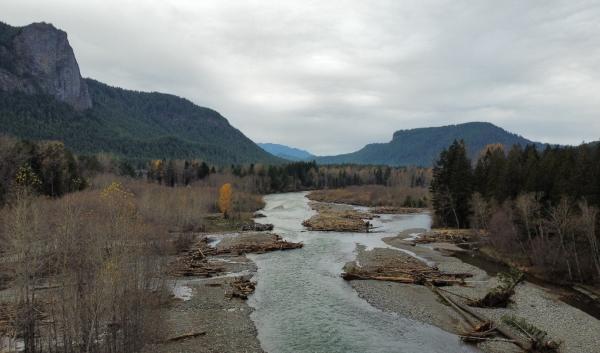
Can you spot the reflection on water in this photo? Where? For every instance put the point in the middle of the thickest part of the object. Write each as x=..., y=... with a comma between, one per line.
x=302, y=304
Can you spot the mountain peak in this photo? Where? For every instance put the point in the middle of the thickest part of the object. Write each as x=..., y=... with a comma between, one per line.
x=38, y=59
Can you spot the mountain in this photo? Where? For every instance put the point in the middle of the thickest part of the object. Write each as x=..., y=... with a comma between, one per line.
x=286, y=152
x=422, y=146
x=42, y=96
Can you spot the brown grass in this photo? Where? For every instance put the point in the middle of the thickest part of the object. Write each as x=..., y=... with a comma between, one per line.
x=371, y=195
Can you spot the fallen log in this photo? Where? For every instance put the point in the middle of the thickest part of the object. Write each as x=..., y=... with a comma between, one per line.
x=186, y=336
x=499, y=297
x=502, y=329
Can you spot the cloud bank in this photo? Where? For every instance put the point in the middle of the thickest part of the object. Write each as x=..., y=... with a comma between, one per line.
x=331, y=76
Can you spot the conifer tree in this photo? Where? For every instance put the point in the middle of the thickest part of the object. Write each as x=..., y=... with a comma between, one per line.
x=451, y=187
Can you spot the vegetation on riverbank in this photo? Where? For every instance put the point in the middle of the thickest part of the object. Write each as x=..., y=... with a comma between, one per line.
x=88, y=269
x=390, y=197
x=540, y=209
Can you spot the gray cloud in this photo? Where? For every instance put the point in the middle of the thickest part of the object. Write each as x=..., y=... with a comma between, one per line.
x=331, y=76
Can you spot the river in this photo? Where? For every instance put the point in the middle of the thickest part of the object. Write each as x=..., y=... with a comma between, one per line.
x=303, y=305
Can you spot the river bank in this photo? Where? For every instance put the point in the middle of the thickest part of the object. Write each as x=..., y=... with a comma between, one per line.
x=543, y=308
x=203, y=307
x=208, y=314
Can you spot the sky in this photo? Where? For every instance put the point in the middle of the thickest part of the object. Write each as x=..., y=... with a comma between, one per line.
x=332, y=76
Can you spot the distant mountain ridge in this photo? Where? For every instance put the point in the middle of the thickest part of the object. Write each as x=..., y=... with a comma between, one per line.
x=42, y=96
x=422, y=146
x=287, y=152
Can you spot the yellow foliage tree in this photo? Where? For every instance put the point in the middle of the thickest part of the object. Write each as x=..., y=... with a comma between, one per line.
x=225, y=193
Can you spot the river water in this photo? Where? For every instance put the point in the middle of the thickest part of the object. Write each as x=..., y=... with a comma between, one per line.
x=303, y=305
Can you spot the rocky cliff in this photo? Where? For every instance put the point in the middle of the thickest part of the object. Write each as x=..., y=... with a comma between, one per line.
x=37, y=59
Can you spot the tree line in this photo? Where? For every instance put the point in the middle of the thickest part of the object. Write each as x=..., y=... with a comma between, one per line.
x=539, y=207
x=293, y=176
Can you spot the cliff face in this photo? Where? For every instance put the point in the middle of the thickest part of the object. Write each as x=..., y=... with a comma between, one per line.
x=38, y=59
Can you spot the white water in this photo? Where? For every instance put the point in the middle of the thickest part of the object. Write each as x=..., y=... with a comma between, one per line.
x=303, y=305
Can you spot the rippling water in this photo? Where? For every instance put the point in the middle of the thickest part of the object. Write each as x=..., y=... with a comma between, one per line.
x=302, y=304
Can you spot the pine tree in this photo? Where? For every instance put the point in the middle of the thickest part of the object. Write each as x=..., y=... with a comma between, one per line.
x=451, y=187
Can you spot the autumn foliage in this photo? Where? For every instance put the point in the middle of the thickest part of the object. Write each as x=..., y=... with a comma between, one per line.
x=225, y=193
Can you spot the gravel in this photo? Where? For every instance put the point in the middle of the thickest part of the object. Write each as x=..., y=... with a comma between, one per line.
x=227, y=322
x=579, y=332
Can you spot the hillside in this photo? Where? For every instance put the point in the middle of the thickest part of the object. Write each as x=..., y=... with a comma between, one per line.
x=37, y=101
x=286, y=152
x=423, y=145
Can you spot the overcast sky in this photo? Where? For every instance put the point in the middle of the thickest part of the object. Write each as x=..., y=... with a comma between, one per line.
x=331, y=76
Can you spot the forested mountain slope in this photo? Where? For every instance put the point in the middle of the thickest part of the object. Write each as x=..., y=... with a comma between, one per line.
x=38, y=102
x=422, y=146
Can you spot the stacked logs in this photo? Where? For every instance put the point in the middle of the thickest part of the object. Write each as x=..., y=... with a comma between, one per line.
x=195, y=262
x=275, y=242
x=455, y=236
x=332, y=218
x=257, y=227
x=411, y=275
x=396, y=210
x=395, y=266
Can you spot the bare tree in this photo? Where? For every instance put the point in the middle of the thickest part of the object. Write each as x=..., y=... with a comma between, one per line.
x=561, y=220
x=588, y=226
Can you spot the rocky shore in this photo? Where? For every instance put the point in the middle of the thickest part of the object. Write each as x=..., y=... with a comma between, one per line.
x=210, y=283
x=540, y=307
x=224, y=323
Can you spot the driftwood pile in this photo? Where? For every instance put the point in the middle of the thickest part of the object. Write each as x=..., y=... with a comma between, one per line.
x=402, y=269
x=337, y=218
x=396, y=210
x=407, y=275
x=256, y=243
x=195, y=262
x=257, y=227
x=329, y=223
x=455, y=236
x=241, y=288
